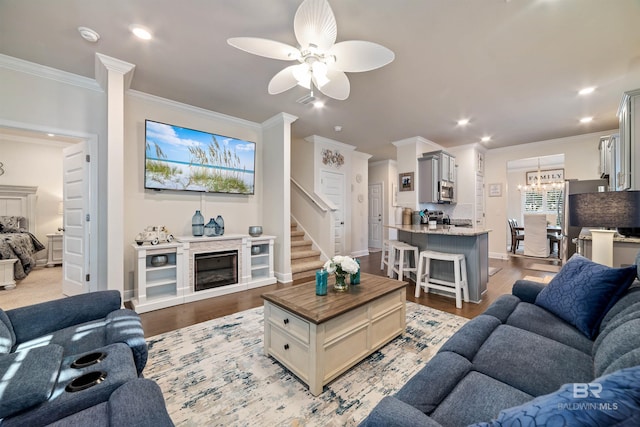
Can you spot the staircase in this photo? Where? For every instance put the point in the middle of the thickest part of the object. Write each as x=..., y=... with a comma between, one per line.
x=304, y=260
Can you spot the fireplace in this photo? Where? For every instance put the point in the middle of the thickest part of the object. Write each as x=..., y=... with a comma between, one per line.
x=215, y=269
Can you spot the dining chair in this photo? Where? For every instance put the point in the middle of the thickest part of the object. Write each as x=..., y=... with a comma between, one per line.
x=535, y=231
x=516, y=236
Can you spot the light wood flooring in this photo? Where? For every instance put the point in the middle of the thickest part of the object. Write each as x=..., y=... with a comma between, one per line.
x=159, y=321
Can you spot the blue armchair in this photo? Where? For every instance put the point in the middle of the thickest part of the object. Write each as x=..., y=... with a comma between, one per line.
x=41, y=379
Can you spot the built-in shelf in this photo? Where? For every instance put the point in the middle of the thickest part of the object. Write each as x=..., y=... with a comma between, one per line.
x=172, y=283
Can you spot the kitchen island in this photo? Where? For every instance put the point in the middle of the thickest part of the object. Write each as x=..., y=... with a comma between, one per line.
x=472, y=242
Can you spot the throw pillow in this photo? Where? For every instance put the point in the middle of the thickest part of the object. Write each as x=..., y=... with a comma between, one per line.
x=10, y=224
x=583, y=292
x=611, y=400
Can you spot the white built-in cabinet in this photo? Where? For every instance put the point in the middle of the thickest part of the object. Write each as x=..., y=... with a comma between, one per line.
x=159, y=284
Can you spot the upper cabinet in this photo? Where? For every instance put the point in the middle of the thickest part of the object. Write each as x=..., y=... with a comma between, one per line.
x=436, y=175
x=448, y=166
x=627, y=157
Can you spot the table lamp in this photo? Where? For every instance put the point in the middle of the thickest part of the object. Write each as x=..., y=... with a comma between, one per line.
x=610, y=210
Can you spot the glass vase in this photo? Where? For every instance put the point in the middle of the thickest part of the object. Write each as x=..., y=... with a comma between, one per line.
x=210, y=228
x=197, y=224
x=341, y=284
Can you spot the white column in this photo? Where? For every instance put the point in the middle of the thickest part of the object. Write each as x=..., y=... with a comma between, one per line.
x=276, y=186
x=114, y=76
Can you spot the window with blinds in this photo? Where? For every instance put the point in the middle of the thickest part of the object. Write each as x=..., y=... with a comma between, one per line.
x=545, y=202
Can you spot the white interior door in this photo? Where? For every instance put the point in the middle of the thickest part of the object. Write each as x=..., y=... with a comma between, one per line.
x=332, y=186
x=375, y=215
x=76, y=193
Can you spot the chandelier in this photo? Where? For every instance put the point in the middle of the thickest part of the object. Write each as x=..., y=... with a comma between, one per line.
x=542, y=182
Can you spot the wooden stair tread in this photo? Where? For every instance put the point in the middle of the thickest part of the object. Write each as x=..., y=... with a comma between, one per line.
x=307, y=266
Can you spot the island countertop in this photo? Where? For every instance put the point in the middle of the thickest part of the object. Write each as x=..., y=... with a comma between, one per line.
x=470, y=241
x=448, y=230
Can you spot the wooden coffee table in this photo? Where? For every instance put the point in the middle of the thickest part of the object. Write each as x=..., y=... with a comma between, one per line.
x=320, y=337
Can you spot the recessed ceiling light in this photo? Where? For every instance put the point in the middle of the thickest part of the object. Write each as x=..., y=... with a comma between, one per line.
x=485, y=139
x=140, y=32
x=51, y=135
x=586, y=90
x=586, y=119
x=318, y=104
x=88, y=34
x=337, y=128
x=463, y=122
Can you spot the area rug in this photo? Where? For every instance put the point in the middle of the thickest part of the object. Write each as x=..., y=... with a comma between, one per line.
x=216, y=374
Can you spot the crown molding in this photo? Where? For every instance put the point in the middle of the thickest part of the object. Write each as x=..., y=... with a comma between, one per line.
x=322, y=140
x=278, y=119
x=192, y=109
x=50, y=73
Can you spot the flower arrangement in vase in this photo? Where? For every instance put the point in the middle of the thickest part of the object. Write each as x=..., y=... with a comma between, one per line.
x=341, y=266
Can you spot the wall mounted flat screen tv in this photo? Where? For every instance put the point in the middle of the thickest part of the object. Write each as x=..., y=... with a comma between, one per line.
x=178, y=158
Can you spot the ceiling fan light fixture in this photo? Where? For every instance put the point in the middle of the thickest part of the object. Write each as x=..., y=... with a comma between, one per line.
x=319, y=72
x=323, y=62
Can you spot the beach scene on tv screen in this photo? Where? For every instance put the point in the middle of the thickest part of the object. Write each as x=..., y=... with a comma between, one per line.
x=185, y=159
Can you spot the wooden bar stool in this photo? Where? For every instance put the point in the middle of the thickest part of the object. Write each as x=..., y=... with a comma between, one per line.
x=399, y=261
x=386, y=248
x=459, y=285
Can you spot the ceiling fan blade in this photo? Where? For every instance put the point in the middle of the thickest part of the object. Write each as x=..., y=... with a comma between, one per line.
x=356, y=56
x=283, y=81
x=265, y=47
x=338, y=86
x=315, y=24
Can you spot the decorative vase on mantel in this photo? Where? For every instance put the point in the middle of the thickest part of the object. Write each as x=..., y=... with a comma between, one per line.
x=341, y=284
x=197, y=224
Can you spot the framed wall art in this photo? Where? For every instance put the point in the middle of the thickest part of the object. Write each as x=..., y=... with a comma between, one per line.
x=405, y=181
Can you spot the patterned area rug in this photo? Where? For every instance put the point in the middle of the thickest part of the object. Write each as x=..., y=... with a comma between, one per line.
x=216, y=374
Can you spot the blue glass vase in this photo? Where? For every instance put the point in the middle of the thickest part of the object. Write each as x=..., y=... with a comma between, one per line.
x=211, y=228
x=197, y=224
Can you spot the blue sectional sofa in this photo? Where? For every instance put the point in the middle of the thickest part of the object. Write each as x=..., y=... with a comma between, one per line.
x=67, y=356
x=567, y=353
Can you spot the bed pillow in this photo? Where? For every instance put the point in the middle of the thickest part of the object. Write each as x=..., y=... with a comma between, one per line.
x=611, y=400
x=10, y=224
x=583, y=292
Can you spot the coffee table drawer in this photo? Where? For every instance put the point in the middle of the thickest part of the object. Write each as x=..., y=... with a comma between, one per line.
x=387, y=302
x=289, y=323
x=290, y=352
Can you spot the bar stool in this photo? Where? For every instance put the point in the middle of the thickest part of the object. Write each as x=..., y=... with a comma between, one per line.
x=458, y=286
x=386, y=248
x=401, y=264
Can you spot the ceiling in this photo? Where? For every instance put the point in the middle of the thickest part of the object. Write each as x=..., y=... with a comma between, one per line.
x=512, y=67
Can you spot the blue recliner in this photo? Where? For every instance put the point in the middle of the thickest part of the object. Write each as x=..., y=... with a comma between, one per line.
x=62, y=357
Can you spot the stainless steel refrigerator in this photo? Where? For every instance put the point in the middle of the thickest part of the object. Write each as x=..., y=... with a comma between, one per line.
x=569, y=233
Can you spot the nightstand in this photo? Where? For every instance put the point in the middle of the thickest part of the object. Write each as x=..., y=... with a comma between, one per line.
x=54, y=250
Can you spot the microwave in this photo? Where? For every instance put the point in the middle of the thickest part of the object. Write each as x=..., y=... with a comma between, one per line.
x=445, y=192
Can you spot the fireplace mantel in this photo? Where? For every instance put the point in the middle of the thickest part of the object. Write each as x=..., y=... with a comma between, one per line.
x=254, y=269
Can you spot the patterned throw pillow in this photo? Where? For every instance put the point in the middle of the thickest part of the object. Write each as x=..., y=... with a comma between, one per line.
x=611, y=400
x=10, y=224
x=583, y=292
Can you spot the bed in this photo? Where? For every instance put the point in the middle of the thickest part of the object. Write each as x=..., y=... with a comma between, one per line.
x=18, y=245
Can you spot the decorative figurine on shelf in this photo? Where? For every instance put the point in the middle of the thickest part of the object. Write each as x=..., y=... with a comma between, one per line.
x=154, y=234
x=197, y=224
x=341, y=266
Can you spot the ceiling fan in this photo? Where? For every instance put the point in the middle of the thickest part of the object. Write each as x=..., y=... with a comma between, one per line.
x=322, y=61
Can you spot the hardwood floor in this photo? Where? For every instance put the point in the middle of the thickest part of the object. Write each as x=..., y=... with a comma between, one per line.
x=159, y=321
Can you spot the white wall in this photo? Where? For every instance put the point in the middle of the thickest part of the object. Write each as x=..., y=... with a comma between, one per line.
x=48, y=100
x=386, y=172
x=581, y=162
x=39, y=165
x=174, y=209
x=359, y=197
